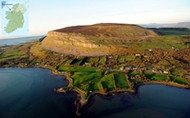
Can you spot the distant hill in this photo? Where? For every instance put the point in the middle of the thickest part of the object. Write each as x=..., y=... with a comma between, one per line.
x=171, y=31
x=170, y=25
x=95, y=40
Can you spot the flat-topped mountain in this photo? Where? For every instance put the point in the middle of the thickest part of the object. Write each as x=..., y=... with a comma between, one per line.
x=95, y=40
x=125, y=31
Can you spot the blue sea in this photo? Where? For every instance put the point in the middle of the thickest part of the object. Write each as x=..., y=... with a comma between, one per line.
x=15, y=41
x=29, y=93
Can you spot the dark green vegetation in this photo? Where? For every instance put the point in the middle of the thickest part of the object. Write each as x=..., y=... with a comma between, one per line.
x=156, y=76
x=76, y=69
x=158, y=58
x=121, y=81
x=171, y=31
x=108, y=82
x=178, y=80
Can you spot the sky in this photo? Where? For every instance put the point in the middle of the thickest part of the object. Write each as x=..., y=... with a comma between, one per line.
x=46, y=15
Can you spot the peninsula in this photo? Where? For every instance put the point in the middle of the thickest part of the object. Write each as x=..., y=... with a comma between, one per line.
x=106, y=58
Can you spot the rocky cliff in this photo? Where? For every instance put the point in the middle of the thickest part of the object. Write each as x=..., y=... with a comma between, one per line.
x=95, y=40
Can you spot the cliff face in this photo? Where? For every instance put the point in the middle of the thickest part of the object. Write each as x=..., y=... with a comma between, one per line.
x=95, y=40
x=73, y=44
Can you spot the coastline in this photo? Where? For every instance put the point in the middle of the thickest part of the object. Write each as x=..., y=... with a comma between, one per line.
x=81, y=102
x=134, y=91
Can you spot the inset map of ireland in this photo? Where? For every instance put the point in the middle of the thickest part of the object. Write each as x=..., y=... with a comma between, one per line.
x=14, y=17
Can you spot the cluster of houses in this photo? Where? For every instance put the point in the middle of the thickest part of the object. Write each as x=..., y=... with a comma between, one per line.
x=128, y=69
x=159, y=71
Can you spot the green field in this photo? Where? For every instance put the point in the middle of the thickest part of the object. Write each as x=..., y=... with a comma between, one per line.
x=76, y=62
x=121, y=59
x=108, y=82
x=161, y=42
x=75, y=69
x=120, y=80
x=129, y=57
x=102, y=60
x=95, y=87
x=93, y=60
x=97, y=81
x=12, y=53
x=156, y=76
x=178, y=80
x=80, y=78
x=93, y=81
x=68, y=62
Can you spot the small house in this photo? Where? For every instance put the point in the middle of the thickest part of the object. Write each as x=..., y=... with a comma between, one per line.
x=165, y=72
x=150, y=50
x=137, y=55
x=122, y=68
